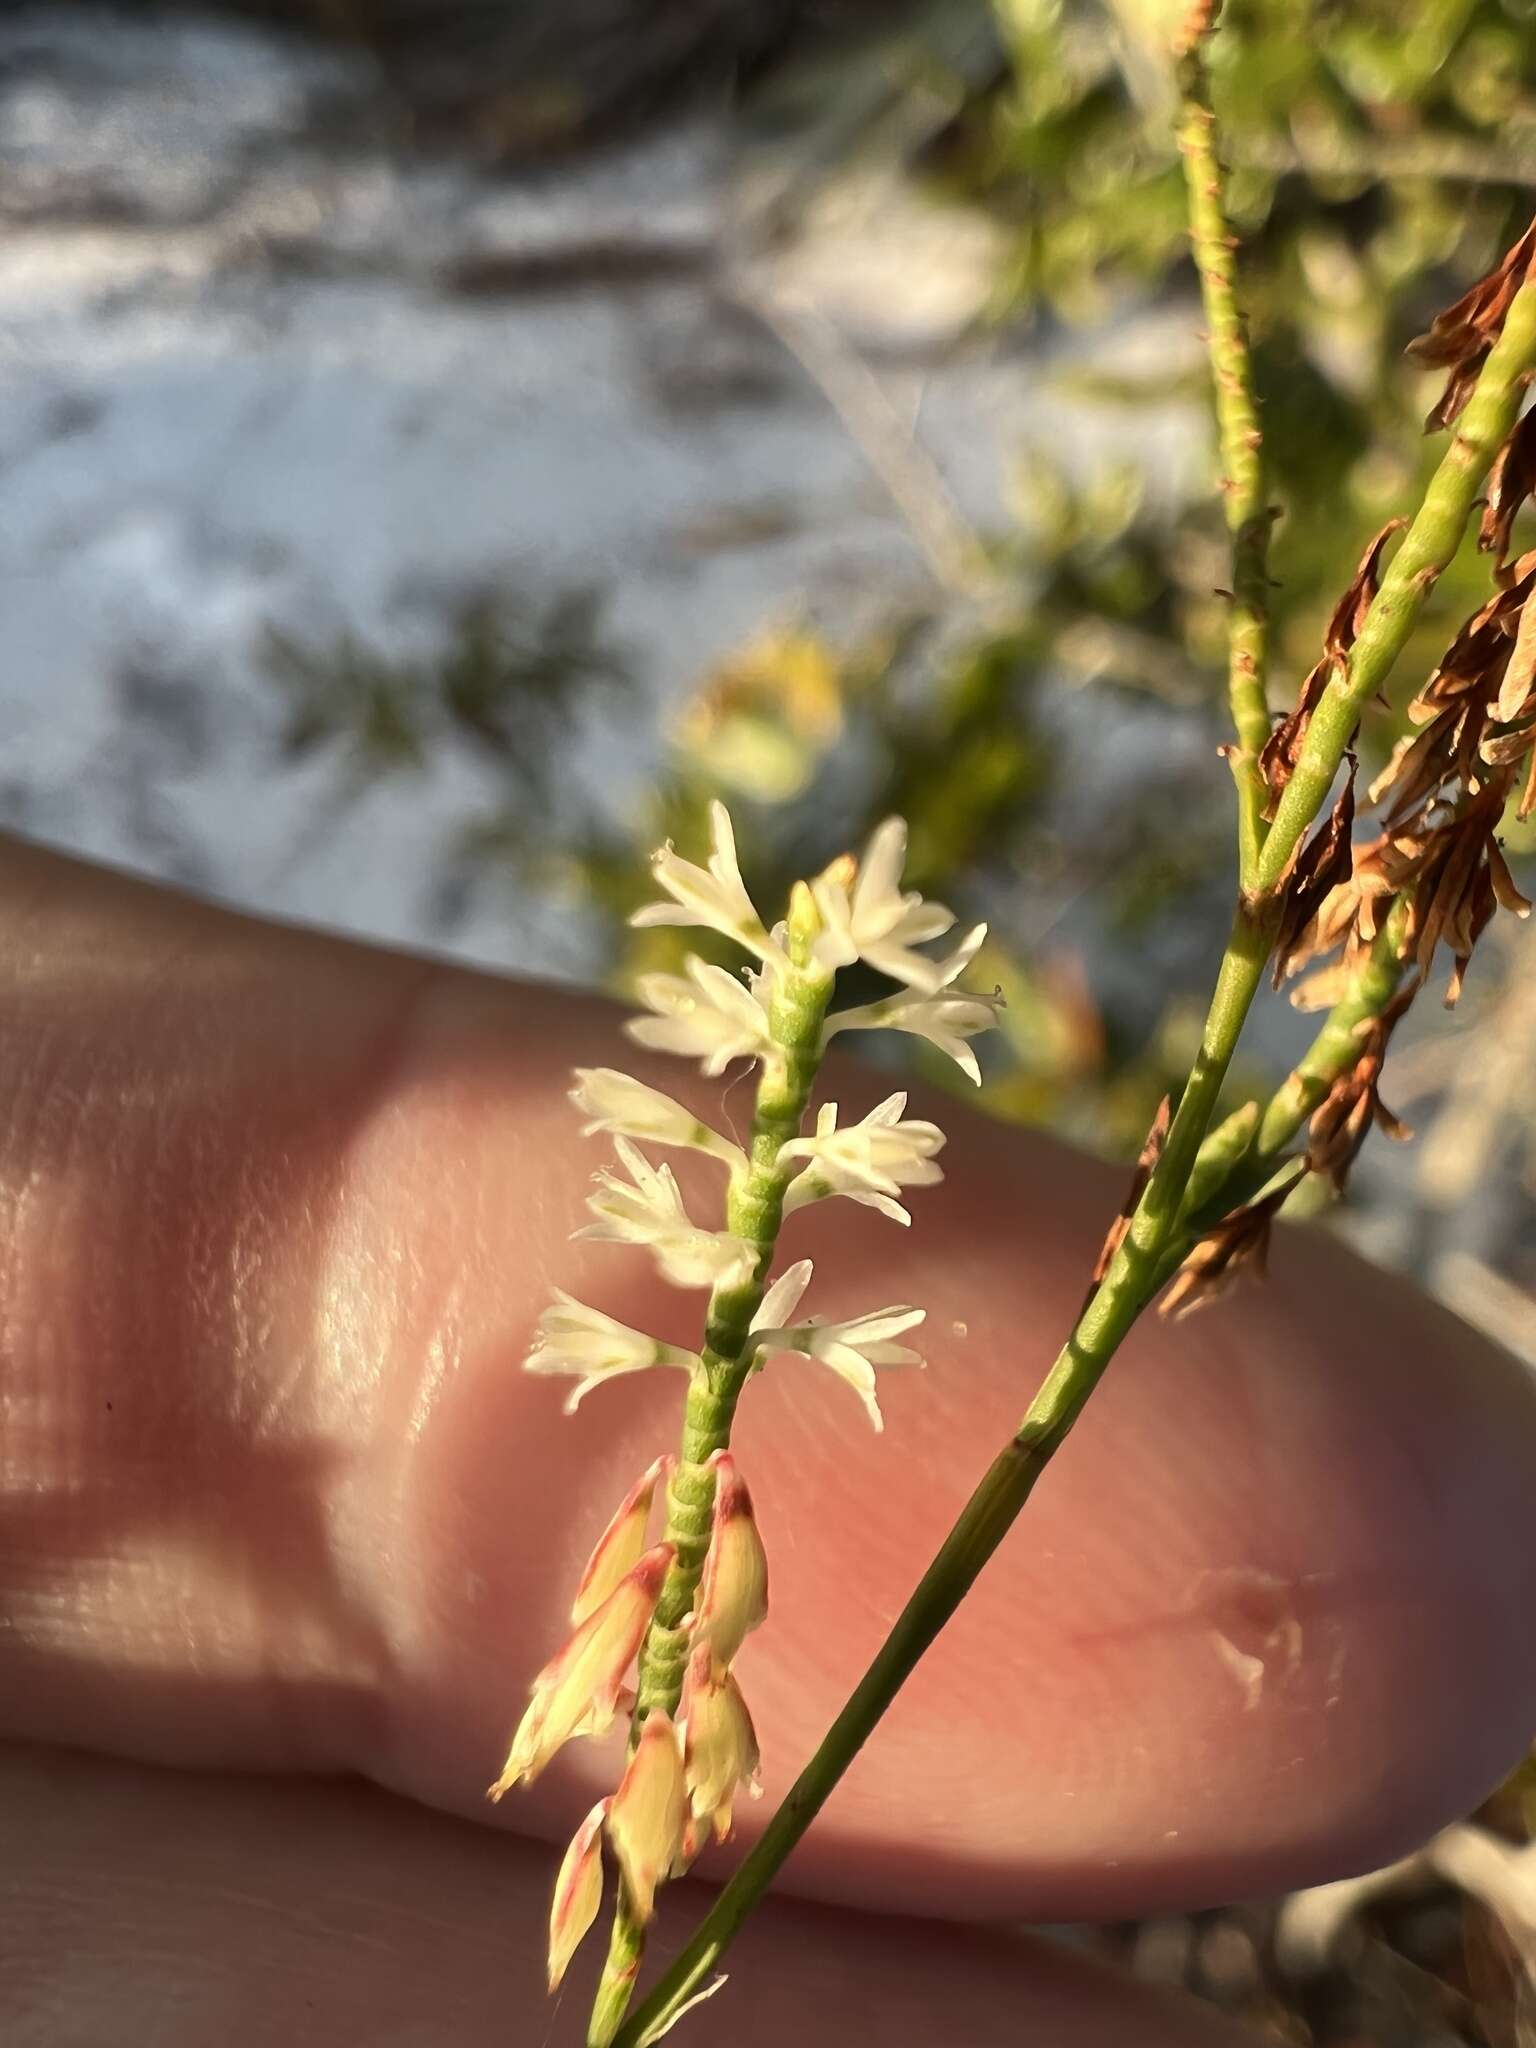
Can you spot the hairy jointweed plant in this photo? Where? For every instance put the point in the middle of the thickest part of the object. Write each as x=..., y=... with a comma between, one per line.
x=684, y=1606
x=1367, y=917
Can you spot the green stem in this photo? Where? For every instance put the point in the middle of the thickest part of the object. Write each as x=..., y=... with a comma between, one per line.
x=1242, y=452
x=754, y=1212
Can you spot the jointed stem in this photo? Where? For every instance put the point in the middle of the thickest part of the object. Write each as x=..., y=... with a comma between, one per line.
x=1248, y=516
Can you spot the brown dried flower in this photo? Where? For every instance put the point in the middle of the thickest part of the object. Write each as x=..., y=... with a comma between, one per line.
x=1319, y=867
x=1239, y=1242
x=1343, y=1119
x=1454, y=875
x=1146, y=1163
x=1277, y=761
x=1510, y=482
x=1462, y=335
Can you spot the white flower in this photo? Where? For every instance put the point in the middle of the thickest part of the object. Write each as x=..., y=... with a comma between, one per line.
x=876, y=922
x=853, y=1349
x=618, y=1102
x=715, y=896
x=946, y=1020
x=870, y=1161
x=647, y=1209
x=583, y=1341
x=708, y=1015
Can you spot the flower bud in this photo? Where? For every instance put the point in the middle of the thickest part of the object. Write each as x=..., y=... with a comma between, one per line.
x=620, y=1545
x=577, y=1692
x=578, y=1893
x=733, y=1588
x=719, y=1743
x=649, y=1813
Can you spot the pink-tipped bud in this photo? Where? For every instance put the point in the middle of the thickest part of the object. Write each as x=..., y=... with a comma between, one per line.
x=578, y=1893
x=719, y=1743
x=577, y=1692
x=733, y=1590
x=621, y=1544
x=648, y=1815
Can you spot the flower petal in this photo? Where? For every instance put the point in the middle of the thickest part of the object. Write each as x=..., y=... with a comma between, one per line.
x=649, y=1814
x=783, y=1297
x=578, y=1893
x=577, y=1692
x=622, y=1543
x=733, y=1588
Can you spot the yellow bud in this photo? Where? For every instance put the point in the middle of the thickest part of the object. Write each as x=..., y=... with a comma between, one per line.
x=577, y=1692
x=578, y=1893
x=733, y=1588
x=719, y=1742
x=649, y=1813
x=620, y=1546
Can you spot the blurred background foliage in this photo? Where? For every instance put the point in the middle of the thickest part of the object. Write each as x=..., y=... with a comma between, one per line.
x=1046, y=713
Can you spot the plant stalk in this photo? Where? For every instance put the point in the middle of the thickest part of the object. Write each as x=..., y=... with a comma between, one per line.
x=1248, y=516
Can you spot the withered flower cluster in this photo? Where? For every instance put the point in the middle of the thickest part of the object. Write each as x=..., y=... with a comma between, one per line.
x=1343, y=1120
x=1278, y=760
x=1238, y=1244
x=1440, y=802
x=1459, y=338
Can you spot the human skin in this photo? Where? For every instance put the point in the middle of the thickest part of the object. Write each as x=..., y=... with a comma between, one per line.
x=277, y=1214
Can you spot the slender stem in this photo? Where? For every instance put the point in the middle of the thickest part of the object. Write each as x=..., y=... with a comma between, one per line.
x=1248, y=516
x=1141, y=1262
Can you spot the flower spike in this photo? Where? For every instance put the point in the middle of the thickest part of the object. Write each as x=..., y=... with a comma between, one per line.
x=647, y=1209
x=594, y=1347
x=577, y=1692
x=714, y=896
x=658, y=1632
x=648, y=1818
x=578, y=1893
x=733, y=1592
x=622, y=1543
x=706, y=1015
